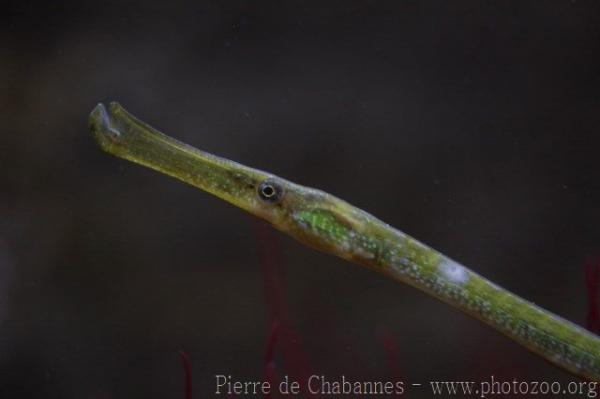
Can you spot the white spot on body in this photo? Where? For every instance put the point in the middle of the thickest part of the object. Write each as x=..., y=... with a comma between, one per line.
x=345, y=245
x=454, y=272
x=365, y=254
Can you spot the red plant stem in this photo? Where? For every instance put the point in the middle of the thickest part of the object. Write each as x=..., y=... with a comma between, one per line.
x=270, y=366
x=187, y=368
x=592, y=274
x=294, y=358
x=392, y=351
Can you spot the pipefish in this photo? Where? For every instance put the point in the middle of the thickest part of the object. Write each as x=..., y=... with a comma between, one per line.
x=331, y=225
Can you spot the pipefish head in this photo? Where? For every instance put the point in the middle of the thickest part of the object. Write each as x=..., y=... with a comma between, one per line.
x=309, y=215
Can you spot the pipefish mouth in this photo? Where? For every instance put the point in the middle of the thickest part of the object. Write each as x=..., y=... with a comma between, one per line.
x=329, y=224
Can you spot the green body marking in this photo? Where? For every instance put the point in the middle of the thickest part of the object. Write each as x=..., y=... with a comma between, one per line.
x=330, y=224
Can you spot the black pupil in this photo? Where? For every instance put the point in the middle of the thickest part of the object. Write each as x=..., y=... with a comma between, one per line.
x=269, y=191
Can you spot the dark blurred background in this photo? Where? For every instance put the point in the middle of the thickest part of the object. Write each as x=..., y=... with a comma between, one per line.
x=470, y=125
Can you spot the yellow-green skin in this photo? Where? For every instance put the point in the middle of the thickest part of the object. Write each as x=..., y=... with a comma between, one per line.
x=331, y=225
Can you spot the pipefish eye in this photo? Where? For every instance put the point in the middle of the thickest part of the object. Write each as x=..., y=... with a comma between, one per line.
x=269, y=191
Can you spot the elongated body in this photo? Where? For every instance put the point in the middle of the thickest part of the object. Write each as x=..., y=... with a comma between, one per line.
x=330, y=224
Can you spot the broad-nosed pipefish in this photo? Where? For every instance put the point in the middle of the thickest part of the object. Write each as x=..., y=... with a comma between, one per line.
x=329, y=224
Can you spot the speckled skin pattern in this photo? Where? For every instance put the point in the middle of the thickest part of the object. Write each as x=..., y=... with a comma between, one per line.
x=332, y=225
